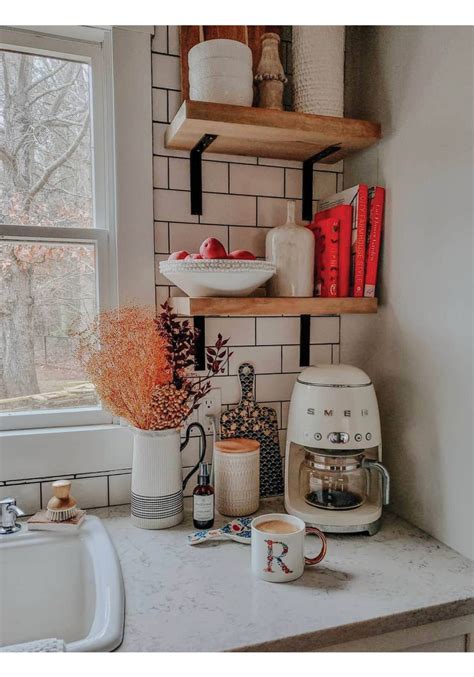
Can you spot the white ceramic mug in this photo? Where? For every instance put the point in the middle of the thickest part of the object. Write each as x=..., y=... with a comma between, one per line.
x=279, y=557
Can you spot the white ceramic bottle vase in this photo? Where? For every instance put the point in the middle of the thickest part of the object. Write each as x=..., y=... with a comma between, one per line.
x=291, y=248
x=157, y=477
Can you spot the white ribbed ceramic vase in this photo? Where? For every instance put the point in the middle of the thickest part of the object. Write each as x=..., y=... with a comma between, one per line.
x=318, y=69
x=157, y=477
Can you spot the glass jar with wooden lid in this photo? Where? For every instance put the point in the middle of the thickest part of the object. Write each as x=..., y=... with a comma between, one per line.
x=237, y=476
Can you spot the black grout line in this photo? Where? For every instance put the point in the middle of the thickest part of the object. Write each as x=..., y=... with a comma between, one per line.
x=108, y=490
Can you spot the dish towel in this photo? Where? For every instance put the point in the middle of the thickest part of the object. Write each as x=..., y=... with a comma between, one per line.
x=48, y=645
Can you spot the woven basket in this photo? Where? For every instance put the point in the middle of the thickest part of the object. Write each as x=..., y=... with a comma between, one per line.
x=318, y=69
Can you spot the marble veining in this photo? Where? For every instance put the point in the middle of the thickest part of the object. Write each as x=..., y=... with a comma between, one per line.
x=204, y=598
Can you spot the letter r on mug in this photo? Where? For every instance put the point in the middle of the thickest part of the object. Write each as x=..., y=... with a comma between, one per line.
x=271, y=557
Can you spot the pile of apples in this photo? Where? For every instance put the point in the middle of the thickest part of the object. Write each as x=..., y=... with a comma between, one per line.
x=211, y=248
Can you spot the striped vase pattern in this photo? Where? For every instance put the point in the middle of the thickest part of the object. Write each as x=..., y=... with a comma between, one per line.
x=157, y=484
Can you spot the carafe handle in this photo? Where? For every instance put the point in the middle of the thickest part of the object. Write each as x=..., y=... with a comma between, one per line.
x=203, y=448
x=370, y=464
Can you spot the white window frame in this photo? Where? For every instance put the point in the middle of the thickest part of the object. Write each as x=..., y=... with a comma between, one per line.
x=122, y=134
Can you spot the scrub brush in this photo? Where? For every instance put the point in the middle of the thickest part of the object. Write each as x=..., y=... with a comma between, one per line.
x=61, y=506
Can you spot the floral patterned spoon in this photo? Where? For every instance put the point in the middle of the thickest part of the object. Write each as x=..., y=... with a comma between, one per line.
x=237, y=530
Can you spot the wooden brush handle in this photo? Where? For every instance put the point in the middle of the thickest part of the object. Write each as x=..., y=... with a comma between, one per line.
x=62, y=489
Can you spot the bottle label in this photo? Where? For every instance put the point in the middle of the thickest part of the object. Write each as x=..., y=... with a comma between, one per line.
x=203, y=508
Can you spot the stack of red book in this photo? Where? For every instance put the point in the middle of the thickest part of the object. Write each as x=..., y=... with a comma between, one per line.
x=348, y=232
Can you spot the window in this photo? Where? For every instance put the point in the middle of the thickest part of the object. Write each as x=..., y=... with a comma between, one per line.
x=56, y=222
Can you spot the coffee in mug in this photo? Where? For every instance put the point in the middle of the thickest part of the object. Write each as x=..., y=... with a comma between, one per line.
x=278, y=543
x=277, y=527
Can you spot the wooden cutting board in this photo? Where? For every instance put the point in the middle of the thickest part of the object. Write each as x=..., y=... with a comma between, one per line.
x=191, y=35
x=249, y=419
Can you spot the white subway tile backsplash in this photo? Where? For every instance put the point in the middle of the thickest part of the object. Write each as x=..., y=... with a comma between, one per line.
x=27, y=496
x=324, y=184
x=257, y=180
x=230, y=388
x=335, y=354
x=166, y=71
x=285, y=406
x=241, y=330
x=214, y=176
x=159, y=278
x=159, y=42
x=325, y=330
x=173, y=40
x=161, y=295
x=160, y=105
x=271, y=162
x=89, y=492
x=174, y=103
x=291, y=357
x=173, y=205
x=274, y=387
x=273, y=211
x=160, y=172
x=190, y=239
x=119, y=489
x=252, y=239
x=161, y=237
x=277, y=330
x=265, y=359
x=234, y=210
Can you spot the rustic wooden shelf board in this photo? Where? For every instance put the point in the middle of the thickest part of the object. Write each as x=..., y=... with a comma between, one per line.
x=243, y=130
x=255, y=306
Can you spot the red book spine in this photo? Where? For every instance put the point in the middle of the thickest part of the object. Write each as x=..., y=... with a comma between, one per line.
x=359, y=245
x=374, y=237
x=329, y=237
x=344, y=214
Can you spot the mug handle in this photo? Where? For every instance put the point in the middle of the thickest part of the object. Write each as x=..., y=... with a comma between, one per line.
x=324, y=546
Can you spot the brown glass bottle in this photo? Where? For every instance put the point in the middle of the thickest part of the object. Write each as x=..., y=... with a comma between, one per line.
x=203, y=500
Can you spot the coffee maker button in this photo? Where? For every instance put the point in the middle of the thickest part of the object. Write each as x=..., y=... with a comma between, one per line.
x=317, y=436
x=357, y=437
x=338, y=438
x=368, y=436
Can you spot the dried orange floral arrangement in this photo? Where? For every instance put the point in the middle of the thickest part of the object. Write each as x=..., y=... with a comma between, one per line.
x=141, y=365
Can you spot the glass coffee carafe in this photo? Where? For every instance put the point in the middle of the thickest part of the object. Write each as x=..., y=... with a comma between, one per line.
x=339, y=481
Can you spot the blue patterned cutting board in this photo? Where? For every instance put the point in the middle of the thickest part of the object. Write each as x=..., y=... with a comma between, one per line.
x=249, y=419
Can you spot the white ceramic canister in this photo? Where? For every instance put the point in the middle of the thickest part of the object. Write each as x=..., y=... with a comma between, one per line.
x=318, y=69
x=220, y=71
x=237, y=476
x=291, y=248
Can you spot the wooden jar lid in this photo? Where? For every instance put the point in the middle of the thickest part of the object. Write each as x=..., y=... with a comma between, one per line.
x=237, y=445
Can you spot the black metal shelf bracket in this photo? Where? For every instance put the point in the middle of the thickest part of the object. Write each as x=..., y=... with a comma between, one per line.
x=196, y=171
x=308, y=179
x=305, y=339
x=200, y=347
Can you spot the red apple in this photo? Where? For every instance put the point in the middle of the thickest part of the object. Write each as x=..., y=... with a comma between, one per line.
x=190, y=257
x=212, y=249
x=242, y=254
x=176, y=256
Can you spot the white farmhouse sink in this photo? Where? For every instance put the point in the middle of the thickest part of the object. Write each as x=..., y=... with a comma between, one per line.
x=67, y=586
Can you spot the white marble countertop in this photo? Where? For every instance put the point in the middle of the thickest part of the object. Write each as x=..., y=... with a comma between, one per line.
x=204, y=598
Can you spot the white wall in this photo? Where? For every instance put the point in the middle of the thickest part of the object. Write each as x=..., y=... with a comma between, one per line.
x=418, y=81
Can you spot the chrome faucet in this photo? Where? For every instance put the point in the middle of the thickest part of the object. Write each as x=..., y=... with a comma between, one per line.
x=9, y=512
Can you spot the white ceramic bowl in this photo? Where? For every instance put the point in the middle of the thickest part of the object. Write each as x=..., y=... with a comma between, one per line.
x=220, y=71
x=220, y=47
x=218, y=277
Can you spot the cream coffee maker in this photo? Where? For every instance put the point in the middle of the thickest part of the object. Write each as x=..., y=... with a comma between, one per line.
x=334, y=478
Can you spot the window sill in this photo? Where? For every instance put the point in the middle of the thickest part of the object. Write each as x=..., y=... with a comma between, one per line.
x=49, y=452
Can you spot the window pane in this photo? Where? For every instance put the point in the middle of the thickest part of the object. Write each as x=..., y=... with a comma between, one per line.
x=45, y=141
x=46, y=291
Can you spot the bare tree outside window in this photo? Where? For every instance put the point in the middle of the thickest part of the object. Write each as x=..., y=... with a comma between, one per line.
x=46, y=172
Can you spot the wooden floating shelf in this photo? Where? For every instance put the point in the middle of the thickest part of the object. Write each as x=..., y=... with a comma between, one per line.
x=256, y=306
x=261, y=132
